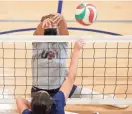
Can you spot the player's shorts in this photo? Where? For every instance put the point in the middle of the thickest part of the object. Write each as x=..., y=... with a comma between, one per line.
x=52, y=92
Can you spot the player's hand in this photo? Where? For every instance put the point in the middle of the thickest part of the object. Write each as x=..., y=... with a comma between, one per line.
x=79, y=44
x=47, y=23
x=57, y=19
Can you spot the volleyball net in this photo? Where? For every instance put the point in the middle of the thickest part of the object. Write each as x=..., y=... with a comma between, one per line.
x=105, y=67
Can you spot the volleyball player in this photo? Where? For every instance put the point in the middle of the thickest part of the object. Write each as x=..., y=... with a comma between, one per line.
x=49, y=61
x=42, y=102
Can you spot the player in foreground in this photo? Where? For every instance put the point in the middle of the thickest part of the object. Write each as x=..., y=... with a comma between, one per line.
x=42, y=102
x=49, y=61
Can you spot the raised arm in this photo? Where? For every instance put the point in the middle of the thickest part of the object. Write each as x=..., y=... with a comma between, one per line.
x=63, y=30
x=68, y=83
x=62, y=25
x=39, y=30
x=52, y=21
x=45, y=23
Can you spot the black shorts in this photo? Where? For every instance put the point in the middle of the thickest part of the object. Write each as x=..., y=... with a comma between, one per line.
x=52, y=92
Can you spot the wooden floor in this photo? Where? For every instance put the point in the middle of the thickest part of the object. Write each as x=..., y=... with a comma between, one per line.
x=113, y=17
x=102, y=109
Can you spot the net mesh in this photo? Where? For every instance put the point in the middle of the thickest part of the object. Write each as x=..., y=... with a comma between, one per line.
x=104, y=67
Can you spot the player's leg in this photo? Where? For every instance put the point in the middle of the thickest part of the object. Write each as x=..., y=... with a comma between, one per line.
x=79, y=91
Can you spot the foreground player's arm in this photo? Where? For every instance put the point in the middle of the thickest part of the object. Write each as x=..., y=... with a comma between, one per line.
x=62, y=25
x=68, y=83
x=22, y=104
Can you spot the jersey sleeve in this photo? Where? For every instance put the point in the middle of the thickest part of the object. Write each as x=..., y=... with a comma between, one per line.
x=26, y=111
x=59, y=98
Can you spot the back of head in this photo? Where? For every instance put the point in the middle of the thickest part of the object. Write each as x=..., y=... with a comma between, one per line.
x=41, y=103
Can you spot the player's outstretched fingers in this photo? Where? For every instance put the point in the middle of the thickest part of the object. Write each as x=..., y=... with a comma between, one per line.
x=79, y=44
x=57, y=18
x=43, y=24
x=47, y=23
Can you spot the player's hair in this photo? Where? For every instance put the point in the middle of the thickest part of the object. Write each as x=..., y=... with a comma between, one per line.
x=50, y=31
x=41, y=103
x=47, y=16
